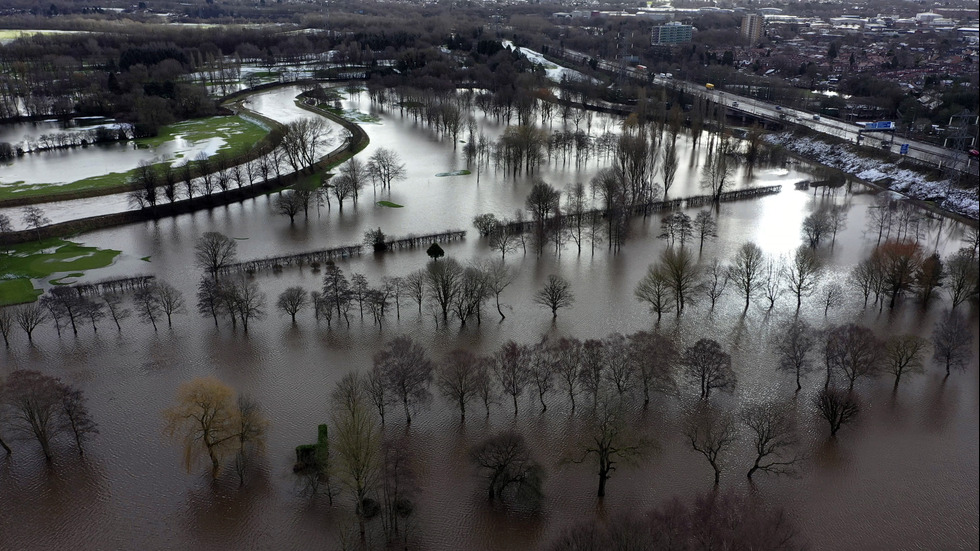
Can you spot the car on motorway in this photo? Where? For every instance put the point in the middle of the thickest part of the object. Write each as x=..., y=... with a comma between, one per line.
x=974, y=153
x=816, y=117
x=734, y=104
x=778, y=108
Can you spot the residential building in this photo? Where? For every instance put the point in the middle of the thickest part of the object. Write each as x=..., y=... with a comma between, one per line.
x=671, y=33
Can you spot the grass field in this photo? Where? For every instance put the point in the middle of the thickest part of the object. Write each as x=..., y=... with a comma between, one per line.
x=42, y=259
x=389, y=204
x=239, y=135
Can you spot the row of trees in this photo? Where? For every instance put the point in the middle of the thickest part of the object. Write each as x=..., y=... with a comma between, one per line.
x=302, y=142
x=69, y=306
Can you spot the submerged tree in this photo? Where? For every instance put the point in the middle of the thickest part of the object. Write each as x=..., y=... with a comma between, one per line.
x=837, y=407
x=204, y=421
x=774, y=439
x=505, y=462
x=555, y=294
x=609, y=440
x=711, y=432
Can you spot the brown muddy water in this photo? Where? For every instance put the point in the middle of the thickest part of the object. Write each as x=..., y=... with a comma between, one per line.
x=905, y=476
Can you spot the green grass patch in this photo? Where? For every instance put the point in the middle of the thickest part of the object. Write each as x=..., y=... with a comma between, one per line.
x=389, y=204
x=454, y=173
x=17, y=291
x=239, y=136
x=38, y=260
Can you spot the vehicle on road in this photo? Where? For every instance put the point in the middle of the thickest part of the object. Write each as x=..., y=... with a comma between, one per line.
x=778, y=108
x=709, y=86
x=734, y=104
x=816, y=117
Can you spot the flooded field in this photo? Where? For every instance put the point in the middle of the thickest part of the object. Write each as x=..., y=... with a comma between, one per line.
x=905, y=476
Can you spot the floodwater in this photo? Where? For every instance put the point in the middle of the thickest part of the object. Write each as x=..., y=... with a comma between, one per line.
x=905, y=476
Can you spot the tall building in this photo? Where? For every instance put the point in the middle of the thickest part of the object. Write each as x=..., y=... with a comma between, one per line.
x=671, y=33
x=752, y=27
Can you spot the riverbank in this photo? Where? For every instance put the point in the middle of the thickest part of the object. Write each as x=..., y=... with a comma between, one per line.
x=939, y=195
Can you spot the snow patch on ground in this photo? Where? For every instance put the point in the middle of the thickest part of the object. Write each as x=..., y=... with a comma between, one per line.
x=902, y=180
x=552, y=71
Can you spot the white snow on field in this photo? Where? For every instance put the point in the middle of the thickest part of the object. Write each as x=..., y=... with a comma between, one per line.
x=552, y=71
x=905, y=181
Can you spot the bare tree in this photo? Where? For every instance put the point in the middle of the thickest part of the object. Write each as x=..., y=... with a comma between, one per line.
x=170, y=299
x=715, y=280
x=292, y=300
x=457, y=379
x=833, y=297
x=655, y=356
x=118, y=312
x=746, y=270
x=511, y=369
x=443, y=282
x=772, y=281
x=711, y=432
x=707, y=365
x=903, y=354
x=681, y=272
x=301, y=140
x=962, y=276
x=486, y=388
x=802, y=274
x=214, y=251
x=415, y=286
x=542, y=372
x=497, y=276
x=29, y=317
x=250, y=432
x=245, y=300
x=34, y=218
x=407, y=372
x=705, y=227
x=854, y=351
x=75, y=417
x=837, y=407
x=655, y=290
x=794, y=346
x=566, y=357
x=147, y=303
x=774, y=439
x=609, y=440
x=951, y=340
x=557, y=293
x=7, y=323
x=505, y=462
x=357, y=174
x=35, y=403
x=289, y=203
x=385, y=167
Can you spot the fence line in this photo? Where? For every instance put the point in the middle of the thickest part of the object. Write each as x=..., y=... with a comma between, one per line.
x=319, y=257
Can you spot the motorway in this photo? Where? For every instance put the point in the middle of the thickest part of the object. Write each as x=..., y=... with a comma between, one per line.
x=930, y=154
